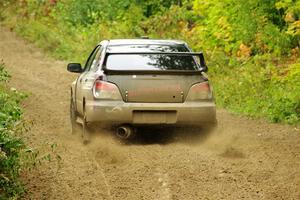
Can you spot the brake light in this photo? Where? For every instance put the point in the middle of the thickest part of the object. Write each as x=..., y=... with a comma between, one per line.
x=106, y=90
x=199, y=91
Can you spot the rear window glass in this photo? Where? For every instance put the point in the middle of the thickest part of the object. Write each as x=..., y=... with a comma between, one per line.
x=150, y=61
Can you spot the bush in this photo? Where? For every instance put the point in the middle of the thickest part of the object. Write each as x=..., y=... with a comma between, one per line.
x=260, y=89
x=11, y=144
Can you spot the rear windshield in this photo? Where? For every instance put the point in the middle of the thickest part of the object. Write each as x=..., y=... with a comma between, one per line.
x=150, y=61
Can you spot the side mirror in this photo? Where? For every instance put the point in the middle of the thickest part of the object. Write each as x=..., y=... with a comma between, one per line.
x=74, y=67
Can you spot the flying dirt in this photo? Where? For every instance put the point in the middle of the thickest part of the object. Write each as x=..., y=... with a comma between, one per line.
x=241, y=159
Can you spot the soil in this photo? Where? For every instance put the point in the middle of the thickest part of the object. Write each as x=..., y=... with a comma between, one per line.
x=242, y=159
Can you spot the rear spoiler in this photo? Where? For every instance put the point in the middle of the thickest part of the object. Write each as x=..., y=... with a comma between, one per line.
x=203, y=66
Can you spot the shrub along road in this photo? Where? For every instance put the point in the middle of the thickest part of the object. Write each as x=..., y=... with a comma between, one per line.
x=249, y=159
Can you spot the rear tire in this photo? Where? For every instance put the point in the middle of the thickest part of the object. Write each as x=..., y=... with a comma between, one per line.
x=210, y=128
x=86, y=132
x=75, y=127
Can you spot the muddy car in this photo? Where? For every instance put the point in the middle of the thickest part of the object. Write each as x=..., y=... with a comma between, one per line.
x=141, y=82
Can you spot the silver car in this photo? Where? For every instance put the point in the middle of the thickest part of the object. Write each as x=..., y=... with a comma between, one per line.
x=128, y=83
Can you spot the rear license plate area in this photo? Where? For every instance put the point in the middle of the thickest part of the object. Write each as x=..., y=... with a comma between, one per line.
x=154, y=117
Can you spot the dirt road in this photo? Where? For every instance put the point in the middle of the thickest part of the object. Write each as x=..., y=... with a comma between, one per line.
x=243, y=159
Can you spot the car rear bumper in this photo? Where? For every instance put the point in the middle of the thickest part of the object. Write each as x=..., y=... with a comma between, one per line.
x=119, y=112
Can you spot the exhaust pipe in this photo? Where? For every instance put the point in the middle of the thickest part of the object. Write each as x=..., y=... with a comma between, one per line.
x=124, y=132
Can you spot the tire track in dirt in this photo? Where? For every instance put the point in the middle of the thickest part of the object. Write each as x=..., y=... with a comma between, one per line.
x=243, y=159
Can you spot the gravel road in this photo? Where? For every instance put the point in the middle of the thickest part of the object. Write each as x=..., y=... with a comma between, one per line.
x=242, y=159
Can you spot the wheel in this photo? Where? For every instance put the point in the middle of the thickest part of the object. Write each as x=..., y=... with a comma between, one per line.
x=75, y=127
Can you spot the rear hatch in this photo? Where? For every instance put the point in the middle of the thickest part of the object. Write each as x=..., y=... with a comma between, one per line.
x=150, y=88
x=152, y=73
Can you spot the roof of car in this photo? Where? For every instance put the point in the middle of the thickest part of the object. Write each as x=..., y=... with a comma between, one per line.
x=143, y=41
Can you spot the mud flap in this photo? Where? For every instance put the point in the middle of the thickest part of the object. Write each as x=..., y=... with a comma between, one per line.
x=86, y=135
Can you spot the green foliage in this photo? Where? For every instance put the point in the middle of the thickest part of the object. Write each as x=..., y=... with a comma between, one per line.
x=152, y=7
x=258, y=88
x=4, y=76
x=84, y=13
x=257, y=24
x=252, y=47
x=10, y=143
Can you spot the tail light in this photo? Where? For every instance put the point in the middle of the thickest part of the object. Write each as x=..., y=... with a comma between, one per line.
x=106, y=90
x=199, y=91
